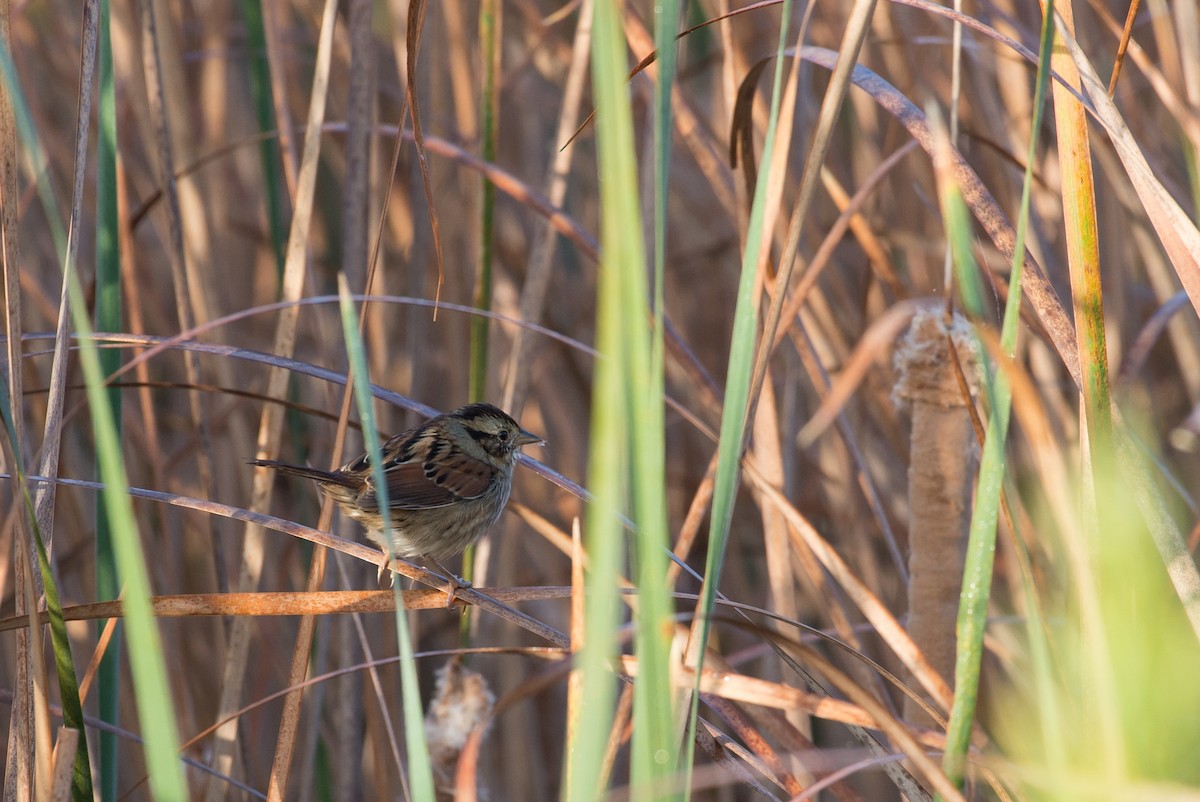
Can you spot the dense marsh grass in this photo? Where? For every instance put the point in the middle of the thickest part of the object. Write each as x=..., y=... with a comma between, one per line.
x=743, y=232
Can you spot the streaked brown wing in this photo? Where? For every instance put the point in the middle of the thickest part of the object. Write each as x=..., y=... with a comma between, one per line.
x=419, y=486
x=461, y=474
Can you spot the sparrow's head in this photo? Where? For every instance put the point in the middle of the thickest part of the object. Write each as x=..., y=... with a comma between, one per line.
x=492, y=428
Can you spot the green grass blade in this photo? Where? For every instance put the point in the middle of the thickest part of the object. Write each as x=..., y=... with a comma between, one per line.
x=108, y=318
x=489, y=37
x=981, y=546
x=978, y=567
x=68, y=683
x=737, y=384
x=1099, y=508
x=155, y=707
x=259, y=77
x=1083, y=255
x=419, y=768
x=489, y=107
x=655, y=747
x=627, y=401
x=1036, y=629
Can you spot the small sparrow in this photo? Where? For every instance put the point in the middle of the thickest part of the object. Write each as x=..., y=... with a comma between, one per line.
x=448, y=480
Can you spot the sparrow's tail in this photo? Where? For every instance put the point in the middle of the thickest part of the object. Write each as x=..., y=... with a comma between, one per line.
x=316, y=474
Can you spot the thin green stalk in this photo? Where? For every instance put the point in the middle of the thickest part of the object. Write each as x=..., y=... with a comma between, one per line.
x=68, y=683
x=108, y=318
x=655, y=746
x=156, y=712
x=259, y=77
x=155, y=708
x=1050, y=718
x=419, y=767
x=1100, y=508
x=737, y=386
x=981, y=545
x=625, y=456
x=489, y=36
x=977, y=575
x=977, y=571
x=72, y=709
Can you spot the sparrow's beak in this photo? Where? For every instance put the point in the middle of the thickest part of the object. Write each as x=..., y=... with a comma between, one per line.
x=524, y=438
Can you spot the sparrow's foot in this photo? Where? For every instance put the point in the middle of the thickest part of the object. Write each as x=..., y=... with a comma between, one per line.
x=385, y=571
x=455, y=584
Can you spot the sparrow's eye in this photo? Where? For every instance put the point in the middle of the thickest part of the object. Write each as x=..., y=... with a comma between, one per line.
x=505, y=435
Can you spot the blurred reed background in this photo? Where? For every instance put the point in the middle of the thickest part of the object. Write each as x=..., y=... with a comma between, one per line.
x=848, y=526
